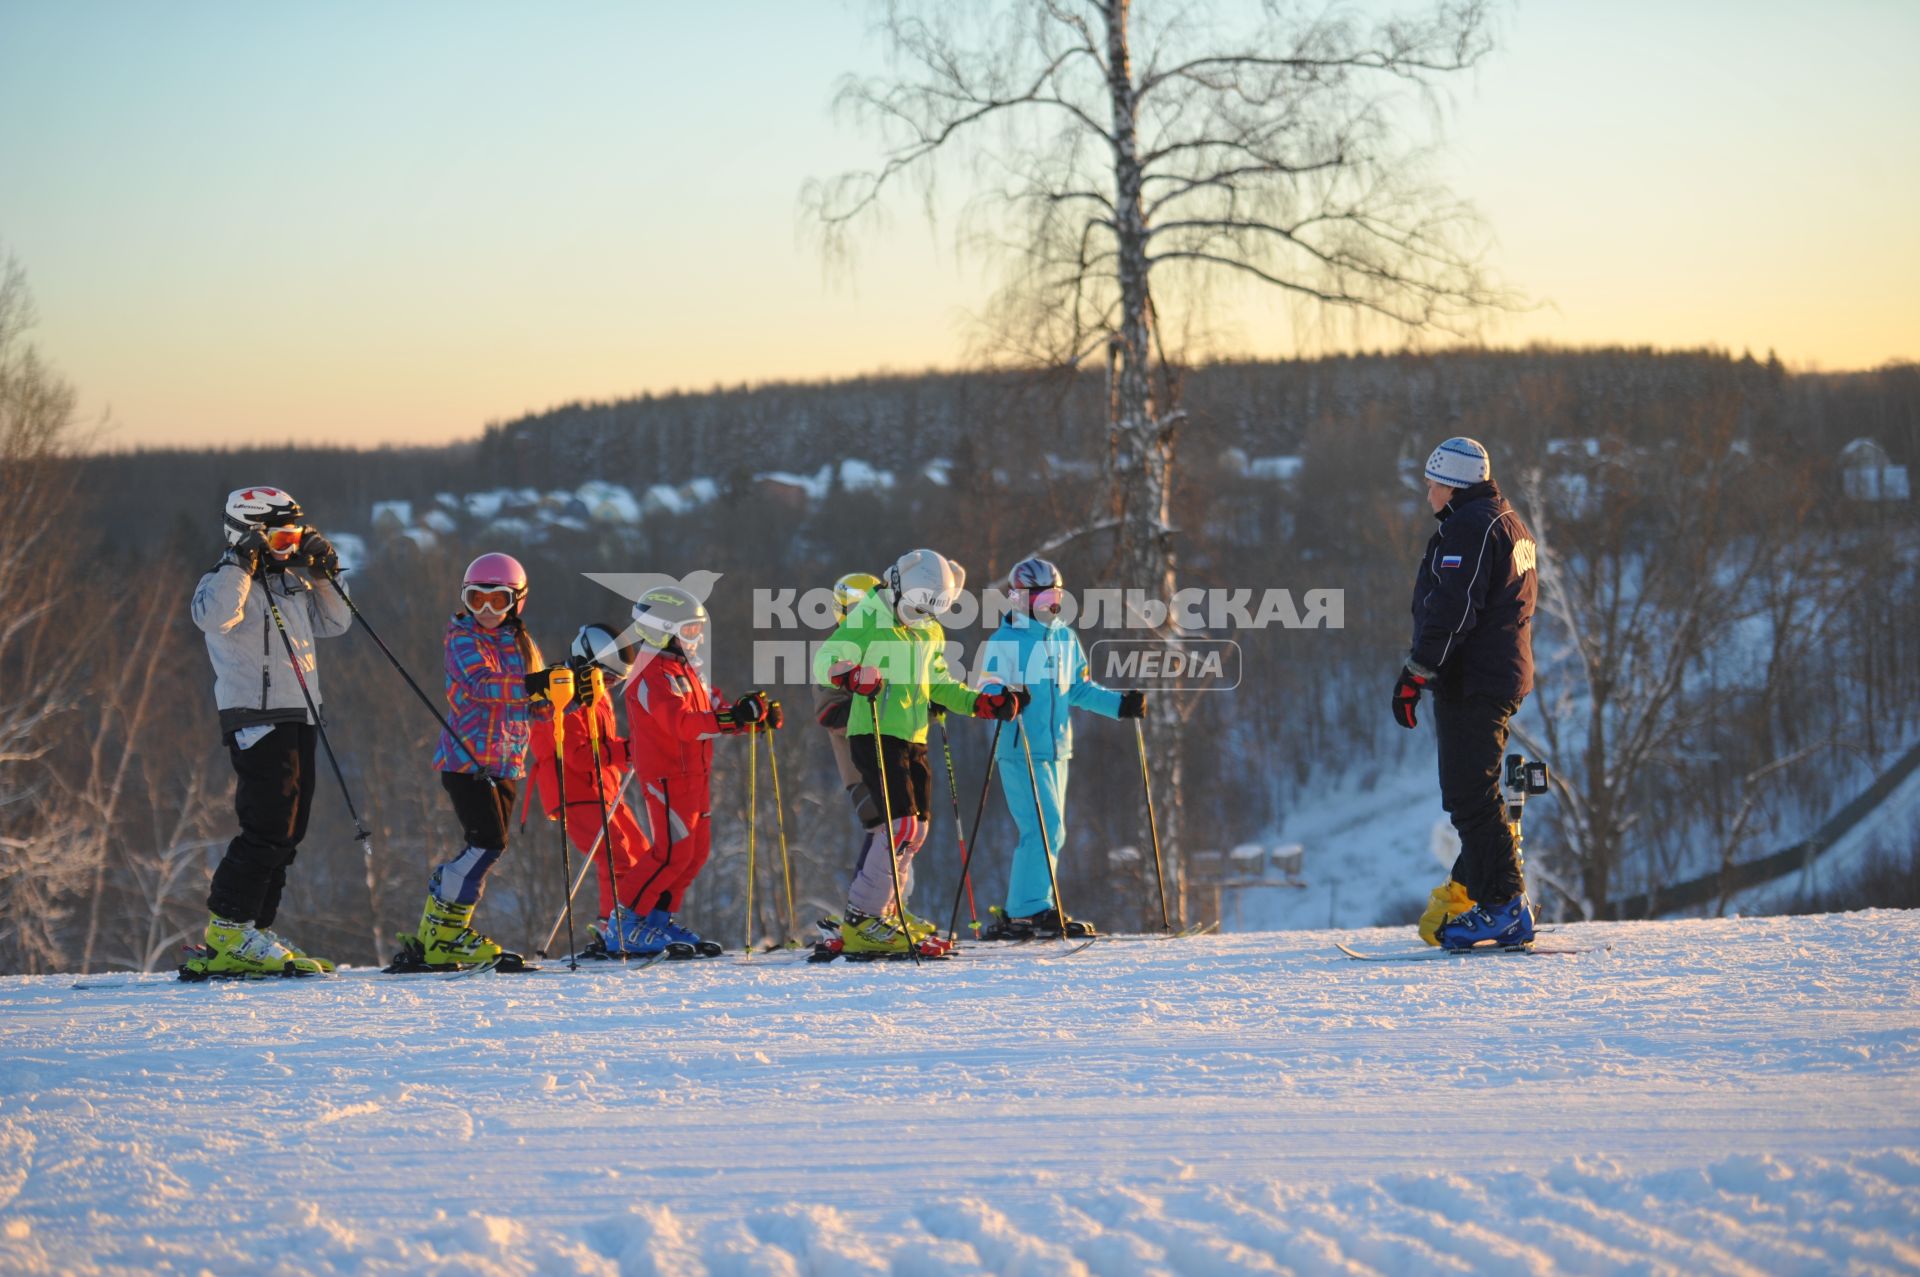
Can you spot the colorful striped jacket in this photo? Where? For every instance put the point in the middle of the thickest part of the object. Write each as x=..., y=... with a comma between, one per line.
x=486, y=691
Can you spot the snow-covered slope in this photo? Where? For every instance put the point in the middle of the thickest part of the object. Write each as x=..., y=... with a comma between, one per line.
x=1717, y=1097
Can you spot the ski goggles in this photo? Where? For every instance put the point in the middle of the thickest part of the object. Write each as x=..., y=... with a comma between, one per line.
x=284, y=539
x=497, y=599
x=1047, y=600
x=689, y=632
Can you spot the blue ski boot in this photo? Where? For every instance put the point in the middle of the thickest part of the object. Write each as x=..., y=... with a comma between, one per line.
x=1503, y=926
x=624, y=934
x=680, y=935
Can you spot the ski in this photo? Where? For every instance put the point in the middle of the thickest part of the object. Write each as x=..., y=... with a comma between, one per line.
x=1430, y=954
x=1185, y=933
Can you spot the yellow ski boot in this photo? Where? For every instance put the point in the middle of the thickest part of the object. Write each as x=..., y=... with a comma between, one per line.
x=864, y=938
x=325, y=964
x=447, y=941
x=237, y=951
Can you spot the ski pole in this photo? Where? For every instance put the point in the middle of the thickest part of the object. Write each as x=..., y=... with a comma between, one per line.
x=597, y=688
x=1153, y=825
x=333, y=578
x=953, y=792
x=780, y=827
x=360, y=833
x=560, y=784
x=1046, y=843
x=886, y=814
x=753, y=775
x=585, y=867
x=973, y=838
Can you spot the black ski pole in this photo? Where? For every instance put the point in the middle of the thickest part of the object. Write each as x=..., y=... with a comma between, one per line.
x=753, y=777
x=973, y=838
x=333, y=578
x=1153, y=825
x=1040, y=815
x=360, y=833
x=886, y=814
x=953, y=792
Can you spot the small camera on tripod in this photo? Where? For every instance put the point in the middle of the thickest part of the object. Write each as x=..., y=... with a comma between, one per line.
x=1525, y=777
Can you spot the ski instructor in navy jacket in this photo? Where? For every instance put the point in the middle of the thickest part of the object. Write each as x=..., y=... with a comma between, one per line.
x=1473, y=607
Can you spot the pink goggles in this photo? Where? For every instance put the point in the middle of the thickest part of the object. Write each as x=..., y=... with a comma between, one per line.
x=1047, y=600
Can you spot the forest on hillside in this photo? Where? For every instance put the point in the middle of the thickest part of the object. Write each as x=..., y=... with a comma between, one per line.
x=1727, y=641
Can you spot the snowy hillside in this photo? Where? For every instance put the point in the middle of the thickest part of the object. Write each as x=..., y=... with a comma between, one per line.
x=1717, y=1097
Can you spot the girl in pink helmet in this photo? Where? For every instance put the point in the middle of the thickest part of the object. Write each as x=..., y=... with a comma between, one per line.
x=497, y=688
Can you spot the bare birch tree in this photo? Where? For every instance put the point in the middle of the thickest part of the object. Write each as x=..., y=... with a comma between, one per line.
x=40, y=867
x=1128, y=156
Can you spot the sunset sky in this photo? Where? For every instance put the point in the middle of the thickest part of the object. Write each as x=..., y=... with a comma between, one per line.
x=361, y=222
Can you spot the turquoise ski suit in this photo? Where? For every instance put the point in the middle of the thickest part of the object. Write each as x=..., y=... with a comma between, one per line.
x=1045, y=657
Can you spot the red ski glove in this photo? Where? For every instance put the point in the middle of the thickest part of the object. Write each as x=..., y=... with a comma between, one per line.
x=997, y=701
x=861, y=680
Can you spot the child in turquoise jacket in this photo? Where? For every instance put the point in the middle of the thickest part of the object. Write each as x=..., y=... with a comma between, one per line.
x=1035, y=649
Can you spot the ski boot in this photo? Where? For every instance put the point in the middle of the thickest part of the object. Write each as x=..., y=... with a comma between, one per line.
x=1045, y=925
x=325, y=964
x=864, y=937
x=625, y=934
x=1000, y=927
x=1508, y=925
x=1447, y=900
x=445, y=941
x=238, y=951
x=677, y=934
x=927, y=935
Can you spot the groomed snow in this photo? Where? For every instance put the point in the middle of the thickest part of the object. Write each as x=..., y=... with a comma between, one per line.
x=1686, y=1097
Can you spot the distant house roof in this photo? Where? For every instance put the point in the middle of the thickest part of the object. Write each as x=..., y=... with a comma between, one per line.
x=1867, y=473
x=391, y=516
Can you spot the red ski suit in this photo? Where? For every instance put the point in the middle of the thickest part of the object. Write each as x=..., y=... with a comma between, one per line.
x=583, y=799
x=670, y=729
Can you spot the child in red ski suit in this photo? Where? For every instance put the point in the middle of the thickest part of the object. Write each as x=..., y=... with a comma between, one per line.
x=616, y=849
x=673, y=717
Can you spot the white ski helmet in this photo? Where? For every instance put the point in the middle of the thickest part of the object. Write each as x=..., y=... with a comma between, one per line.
x=257, y=509
x=1460, y=463
x=601, y=645
x=924, y=584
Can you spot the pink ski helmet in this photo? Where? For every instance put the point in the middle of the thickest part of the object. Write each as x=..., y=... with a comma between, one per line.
x=489, y=574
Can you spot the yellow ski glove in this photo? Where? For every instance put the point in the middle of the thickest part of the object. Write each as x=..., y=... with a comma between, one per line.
x=1447, y=900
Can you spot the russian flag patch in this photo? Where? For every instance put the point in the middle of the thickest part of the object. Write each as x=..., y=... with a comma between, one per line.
x=1449, y=560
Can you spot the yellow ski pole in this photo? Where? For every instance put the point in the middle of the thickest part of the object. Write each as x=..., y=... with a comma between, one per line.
x=780, y=827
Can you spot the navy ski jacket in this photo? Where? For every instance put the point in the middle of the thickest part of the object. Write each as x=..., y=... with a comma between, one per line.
x=1473, y=600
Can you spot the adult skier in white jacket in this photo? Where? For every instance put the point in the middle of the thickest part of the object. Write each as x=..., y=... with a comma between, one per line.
x=271, y=560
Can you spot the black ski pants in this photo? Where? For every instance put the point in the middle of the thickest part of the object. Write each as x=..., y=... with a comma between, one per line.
x=1472, y=732
x=909, y=777
x=272, y=796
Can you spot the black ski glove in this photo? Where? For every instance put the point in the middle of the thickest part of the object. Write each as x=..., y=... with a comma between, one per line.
x=749, y=709
x=317, y=552
x=1133, y=704
x=249, y=552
